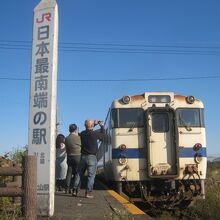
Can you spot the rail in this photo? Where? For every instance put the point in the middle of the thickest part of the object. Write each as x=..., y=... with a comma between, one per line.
x=28, y=189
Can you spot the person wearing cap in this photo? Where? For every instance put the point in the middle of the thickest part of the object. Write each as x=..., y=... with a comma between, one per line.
x=88, y=160
x=73, y=148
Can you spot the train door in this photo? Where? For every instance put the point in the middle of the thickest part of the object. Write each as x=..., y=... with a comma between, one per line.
x=161, y=143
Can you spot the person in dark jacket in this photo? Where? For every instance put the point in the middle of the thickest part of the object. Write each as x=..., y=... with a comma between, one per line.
x=73, y=148
x=88, y=160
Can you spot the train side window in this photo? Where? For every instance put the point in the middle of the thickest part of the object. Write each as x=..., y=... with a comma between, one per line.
x=160, y=122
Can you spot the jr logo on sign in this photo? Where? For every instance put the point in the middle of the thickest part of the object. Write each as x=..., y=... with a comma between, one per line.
x=45, y=16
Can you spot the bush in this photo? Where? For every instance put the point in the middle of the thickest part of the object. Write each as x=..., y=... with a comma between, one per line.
x=17, y=153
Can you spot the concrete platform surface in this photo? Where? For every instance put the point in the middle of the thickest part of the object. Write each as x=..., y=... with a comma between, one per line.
x=106, y=205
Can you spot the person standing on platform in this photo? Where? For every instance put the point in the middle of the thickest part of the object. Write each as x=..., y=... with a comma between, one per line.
x=88, y=160
x=73, y=148
x=61, y=165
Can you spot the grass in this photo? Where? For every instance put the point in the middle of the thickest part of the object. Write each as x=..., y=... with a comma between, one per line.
x=8, y=210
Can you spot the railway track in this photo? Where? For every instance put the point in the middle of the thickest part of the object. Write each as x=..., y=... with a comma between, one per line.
x=153, y=211
x=171, y=214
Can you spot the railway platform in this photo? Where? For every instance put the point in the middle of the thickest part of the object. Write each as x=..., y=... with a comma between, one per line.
x=106, y=204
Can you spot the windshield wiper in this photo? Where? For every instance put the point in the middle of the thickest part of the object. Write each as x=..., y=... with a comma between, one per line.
x=184, y=124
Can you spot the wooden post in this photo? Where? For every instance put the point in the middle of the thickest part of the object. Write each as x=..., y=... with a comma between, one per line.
x=30, y=187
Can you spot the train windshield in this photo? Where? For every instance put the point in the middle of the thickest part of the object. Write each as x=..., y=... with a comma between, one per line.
x=127, y=118
x=189, y=117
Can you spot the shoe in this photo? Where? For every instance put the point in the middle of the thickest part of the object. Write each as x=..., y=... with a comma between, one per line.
x=89, y=195
x=74, y=193
x=59, y=188
x=68, y=190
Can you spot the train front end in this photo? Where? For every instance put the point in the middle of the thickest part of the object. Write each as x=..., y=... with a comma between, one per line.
x=158, y=148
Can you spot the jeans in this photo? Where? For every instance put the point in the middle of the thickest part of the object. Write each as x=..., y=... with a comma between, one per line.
x=73, y=163
x=89, y=163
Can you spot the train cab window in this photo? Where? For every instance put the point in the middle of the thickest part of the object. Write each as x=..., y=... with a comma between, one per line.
x=189, y=117
x=127, y=118
x=160, y=122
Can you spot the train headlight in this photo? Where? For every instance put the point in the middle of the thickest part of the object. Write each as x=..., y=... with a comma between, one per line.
x=122, y=147
x=122, y=160
x=190, y=99
x=197, y=147
x=126, y=99
x=198, y=158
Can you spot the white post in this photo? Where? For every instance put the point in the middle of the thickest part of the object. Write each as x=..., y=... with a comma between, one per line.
x=42, y=115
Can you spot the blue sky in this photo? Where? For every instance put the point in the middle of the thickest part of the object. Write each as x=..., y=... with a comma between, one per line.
x=118, y=39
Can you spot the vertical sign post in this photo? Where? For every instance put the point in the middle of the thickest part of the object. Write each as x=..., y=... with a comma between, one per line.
x=42, y=115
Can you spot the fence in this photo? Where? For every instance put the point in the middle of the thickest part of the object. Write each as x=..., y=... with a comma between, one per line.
x=28, y=189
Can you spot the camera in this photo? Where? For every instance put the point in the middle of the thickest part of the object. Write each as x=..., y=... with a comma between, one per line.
x=97, y=122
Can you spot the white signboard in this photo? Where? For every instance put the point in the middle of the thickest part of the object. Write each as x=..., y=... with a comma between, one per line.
x=42, y=115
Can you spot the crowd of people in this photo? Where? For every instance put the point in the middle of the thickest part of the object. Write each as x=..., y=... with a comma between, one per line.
x=76, y=155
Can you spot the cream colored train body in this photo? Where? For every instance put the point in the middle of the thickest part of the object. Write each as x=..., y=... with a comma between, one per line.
x=156, y=147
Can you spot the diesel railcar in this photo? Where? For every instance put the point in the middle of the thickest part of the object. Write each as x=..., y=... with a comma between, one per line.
x=156, y=148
